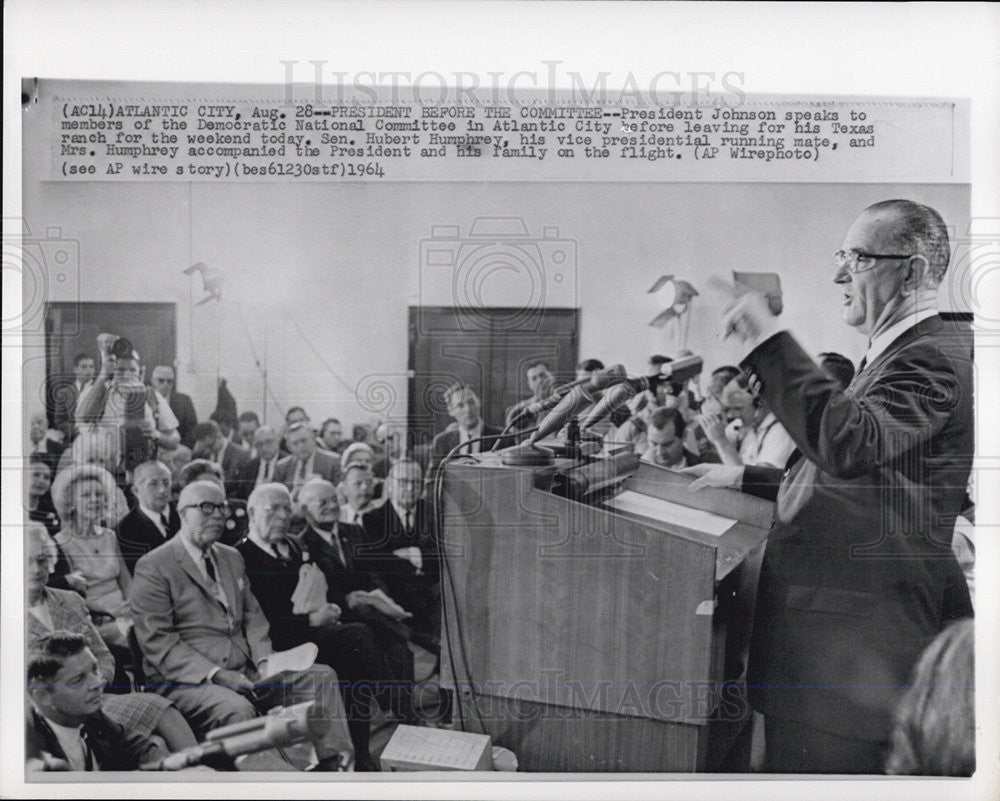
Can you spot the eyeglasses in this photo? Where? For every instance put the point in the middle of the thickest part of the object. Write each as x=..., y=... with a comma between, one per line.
x=207, y=508
x=854, y=260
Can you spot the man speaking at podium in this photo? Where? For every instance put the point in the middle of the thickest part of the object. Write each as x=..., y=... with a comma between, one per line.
x=858, y=574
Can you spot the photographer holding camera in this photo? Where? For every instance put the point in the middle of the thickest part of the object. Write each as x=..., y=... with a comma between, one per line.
x=119, y=398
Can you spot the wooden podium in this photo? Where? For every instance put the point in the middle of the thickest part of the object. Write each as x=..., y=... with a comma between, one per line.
x=602, y=633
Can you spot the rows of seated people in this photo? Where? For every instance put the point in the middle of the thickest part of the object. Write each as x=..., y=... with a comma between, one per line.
x=237, y=542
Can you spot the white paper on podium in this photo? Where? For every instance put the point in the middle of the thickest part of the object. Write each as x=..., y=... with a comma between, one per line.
x=669, y=512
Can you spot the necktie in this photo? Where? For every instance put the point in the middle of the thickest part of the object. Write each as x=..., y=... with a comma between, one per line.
x=281, y=549
x=267, y=472
x=210, y=568
x=165, y=521
x=88, y=752
x=409, y=522
x=340, y=547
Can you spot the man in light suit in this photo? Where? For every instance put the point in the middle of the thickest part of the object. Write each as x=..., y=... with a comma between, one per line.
x=306, y=460
x=858, y=574
x=205, y=639
x=463, y=406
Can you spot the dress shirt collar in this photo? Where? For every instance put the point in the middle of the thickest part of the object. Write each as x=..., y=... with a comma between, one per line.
x=157, y=519
x=475, y=433
x=257, y=540
x=402, y=514
x=326, y=536
x=198, y=556
x=884, y=339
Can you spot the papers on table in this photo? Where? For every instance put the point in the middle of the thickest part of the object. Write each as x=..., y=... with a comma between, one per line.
x=669, y=512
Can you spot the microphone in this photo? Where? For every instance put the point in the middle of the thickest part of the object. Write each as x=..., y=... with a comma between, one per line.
x=280, y=727
x=560, y=392
x=671, y=372
x=576, y=400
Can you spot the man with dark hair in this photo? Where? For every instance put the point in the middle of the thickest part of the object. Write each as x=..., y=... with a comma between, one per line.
x=665, y=437
x=358, y=487
x=541, y=382
x=66, y=729
x=463, y=406
x=64, y=415
x=246, y=424
x=305, y=460
x=858, y=573
x=210, y=444
x=331, y=435
x=719, y=378
x=839, y=367
x=164, y=381
x=588, y=367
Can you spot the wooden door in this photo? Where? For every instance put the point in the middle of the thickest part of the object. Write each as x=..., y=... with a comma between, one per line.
x=488, y=349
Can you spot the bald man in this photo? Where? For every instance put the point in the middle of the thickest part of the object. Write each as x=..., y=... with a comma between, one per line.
x=205, y=639
x=154, y=520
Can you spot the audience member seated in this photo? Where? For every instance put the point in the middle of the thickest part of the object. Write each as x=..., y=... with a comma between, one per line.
x=43, y=445
x=754, y=436
x=277, y=568
x=305, y=460
x=83, y=496
x=401, y=548
x=38, y=498
x=541, y=382
x=66, y=728
x=260, y=469
x=235, y=526
x=153, y=521
x=209, y=443
x=665, y=436
x=205, y=639
x=51, y=609
x=295, y=414
x=331, y=545
x=331, y=436
x=935, y=731
x=358, y=489
x=174, y=460
x=164, y=382
x=246, y=424
x=464, y=408
x=838, y=367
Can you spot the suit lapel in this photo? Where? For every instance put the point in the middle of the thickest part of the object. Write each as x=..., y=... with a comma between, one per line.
x=193, y=571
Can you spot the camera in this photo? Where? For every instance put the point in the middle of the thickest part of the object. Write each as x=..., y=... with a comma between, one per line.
x=114, y=345
x=498, y=265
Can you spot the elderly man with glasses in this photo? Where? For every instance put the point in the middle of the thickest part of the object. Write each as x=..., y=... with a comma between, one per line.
x=205, y=639
x=858, y=574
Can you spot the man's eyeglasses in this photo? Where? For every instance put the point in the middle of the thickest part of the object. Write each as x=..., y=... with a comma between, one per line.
x=207, y=507
x=857, y=261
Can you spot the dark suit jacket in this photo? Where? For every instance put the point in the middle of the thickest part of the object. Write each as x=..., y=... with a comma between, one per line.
x=187, y=418
x=325, y=464
x=64, y=410
x=233, y=459
x=113, y=747
x=340, y=578
x=858, y=574
x=385, y=533
x=272, y=582
x=446, y=440
x=183, y=630
x=246, y=477
x=138, y=535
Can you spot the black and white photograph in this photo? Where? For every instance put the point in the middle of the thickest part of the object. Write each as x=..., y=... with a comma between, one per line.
x=614, y=424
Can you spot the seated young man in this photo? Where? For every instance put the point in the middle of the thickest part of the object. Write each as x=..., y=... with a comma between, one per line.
x=65, y=727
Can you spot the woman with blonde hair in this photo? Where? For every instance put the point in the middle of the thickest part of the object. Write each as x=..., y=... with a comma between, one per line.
x=89, y=504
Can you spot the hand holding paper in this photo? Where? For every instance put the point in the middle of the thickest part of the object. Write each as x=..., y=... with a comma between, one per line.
x=377, y=599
